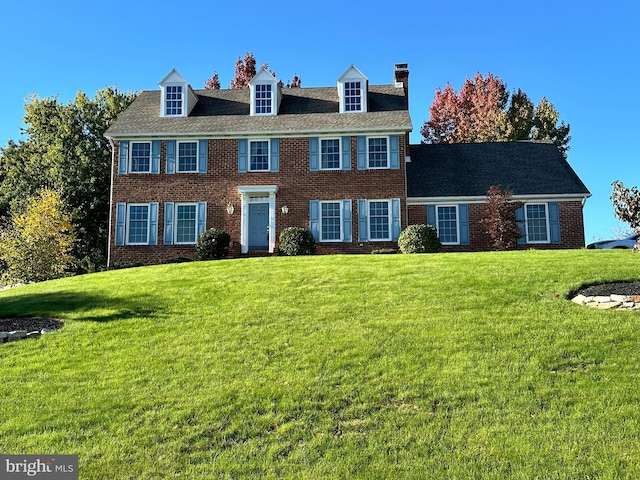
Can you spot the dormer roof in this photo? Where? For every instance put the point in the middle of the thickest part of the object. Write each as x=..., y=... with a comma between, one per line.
x=265, y=94
x=300, y=112
x=353, y=89
x=178, y=98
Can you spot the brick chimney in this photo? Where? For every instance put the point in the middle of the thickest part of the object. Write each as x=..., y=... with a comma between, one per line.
x=401, y=75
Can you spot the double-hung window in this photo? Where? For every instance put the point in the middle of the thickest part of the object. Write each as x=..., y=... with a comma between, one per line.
x=187, y=156
x=186, y=221
x=379, y=220
x=331, y=221
x=259, y=156
x=140, y=157
x=448, y=224
x=352, y=96
x=330, y=154
x=263, y=98
x=537, y=224
x=137, y=224
x=378, y=152
x=173, y=100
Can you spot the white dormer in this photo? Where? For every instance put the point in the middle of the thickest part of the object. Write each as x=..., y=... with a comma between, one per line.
x=178, y=98
x=265, y=93
x=352, y=91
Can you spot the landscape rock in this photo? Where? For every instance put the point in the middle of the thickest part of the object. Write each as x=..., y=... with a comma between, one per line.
x=17, y=335
x=618, y=298
x=579, y=299
x=601, y=299
x=608, y=305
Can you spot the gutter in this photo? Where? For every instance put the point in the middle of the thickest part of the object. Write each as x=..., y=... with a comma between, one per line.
x=113, y=156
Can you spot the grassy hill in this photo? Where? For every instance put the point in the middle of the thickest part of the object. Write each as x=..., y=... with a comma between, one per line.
x=371, y=366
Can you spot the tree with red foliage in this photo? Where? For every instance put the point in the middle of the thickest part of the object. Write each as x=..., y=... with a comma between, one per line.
x=213, y=83
x=481, y=112
x=245, y=71
x=500, y=218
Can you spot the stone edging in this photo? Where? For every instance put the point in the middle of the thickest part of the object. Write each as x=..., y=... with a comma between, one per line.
x=622, y=302
x=16, y=335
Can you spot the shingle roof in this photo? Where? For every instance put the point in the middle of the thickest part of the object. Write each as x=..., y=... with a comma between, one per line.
x=469, y=169
x=301, y=110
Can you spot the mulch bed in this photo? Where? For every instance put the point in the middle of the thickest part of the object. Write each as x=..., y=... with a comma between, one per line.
x=30, y=324
x=606, y=289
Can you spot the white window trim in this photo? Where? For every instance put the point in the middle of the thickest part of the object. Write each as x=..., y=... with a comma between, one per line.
x=320, y=139
x=457, y=223
x=331, y=240
x=389, y=219
x=164, y=99
x=369, y=167
x=344, y=95
x=130, y=155
x=177, y=157
x=526, y=223
x=250, y=141
x=255, y=100
x=175, y=223
x=128, y=223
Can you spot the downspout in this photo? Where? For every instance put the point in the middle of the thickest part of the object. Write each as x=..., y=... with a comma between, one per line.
x=113, y=153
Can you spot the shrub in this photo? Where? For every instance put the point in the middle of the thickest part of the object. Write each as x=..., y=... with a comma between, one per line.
x=383, y=251
x=177, y=260
x=122, y=265
x=38, y=244
x=500, y=218
x=213, y=244
x=297, y=241
x=419, y=239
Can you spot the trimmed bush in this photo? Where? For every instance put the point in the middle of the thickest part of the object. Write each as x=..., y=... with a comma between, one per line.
x=419, y=239
x=297, y=241
x=213, y=244
x=383, y=251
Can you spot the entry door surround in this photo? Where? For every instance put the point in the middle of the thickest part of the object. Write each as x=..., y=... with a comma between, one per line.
x=260, y=194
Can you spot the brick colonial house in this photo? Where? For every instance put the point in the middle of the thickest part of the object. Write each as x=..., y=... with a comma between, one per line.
x=335, y=160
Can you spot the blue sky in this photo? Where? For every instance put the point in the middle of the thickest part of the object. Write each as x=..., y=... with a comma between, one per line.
x=583, y=56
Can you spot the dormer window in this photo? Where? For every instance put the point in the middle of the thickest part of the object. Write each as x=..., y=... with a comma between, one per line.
x=173, y=100
x=263, y=99
x=265, y=94
x=177, y=97
x=352, y=91
x=352, y=97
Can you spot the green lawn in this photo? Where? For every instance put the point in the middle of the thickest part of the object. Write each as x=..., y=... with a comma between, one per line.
x=371, y=366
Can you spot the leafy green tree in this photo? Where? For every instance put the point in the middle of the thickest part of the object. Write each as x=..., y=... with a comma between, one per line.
x=626, y=204
x=38, y=244
x=65, y=150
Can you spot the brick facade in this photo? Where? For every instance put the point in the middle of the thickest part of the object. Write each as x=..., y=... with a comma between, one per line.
x=297, y=185
x=571, y=228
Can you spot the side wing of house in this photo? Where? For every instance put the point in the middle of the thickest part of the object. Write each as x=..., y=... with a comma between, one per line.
x=255, y=161
x=447, y=187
